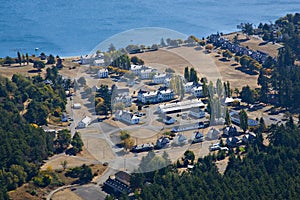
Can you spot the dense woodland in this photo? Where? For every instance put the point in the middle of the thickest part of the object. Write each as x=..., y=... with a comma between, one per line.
x=26, y=103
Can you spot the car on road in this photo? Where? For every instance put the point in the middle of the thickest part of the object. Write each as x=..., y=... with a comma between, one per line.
x=214, y=147
x=273, y=119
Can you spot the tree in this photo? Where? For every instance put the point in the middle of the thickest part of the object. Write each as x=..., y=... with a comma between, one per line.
x=186, y=74
x=111, y=48
x=64, y=164
x=162, y=43
x=27, y=58
x=193, y=76
x=243, y=120
x=51, y=59
x=247, y=94
x=77, y=142
x=63, y=140
x=189, y=155
x=39, y=65
x=227, y=118
x=82, y=81
x=19, y=58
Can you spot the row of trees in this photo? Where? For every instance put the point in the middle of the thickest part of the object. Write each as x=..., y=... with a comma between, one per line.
x=190, y=75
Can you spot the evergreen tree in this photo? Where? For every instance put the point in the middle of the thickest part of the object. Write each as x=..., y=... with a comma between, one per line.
x=19, y=58
x=227, y=117
x=243, y=120
x=186, y=74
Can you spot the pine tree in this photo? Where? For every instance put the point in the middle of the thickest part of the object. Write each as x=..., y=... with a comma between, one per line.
x=227, y=118
x=186, y=74
x=243, y=120
x=19, y=58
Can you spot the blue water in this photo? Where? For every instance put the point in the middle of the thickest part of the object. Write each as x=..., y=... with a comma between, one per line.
x=75, y=27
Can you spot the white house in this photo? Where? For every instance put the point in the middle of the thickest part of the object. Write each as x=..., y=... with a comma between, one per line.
x=197, y=91
x=155, y=96
x=188, y=86
x=102, y=73
x=147, y=73
x=123, y=98
x=197, y=112
x=169, y=120
x=98, y=62
x=136, y=69
x=127, y=117
x=213, y=134
x=167, y=82
x=84, y=122
x=76, y=105
x=180, y=140
x=159, y=78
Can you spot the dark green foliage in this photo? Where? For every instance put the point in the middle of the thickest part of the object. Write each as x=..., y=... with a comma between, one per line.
x=63, y=140
x=77, y=143
x=23, y=146
x=243, y=120
x=137, y=61
x=39, y=65
x=268, y=173
x=50, y=59
x=84, y=173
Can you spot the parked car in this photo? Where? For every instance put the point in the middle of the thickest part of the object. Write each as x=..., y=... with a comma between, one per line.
x=214, y=147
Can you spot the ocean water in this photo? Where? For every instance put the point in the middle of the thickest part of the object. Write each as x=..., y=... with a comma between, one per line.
x=75, y=27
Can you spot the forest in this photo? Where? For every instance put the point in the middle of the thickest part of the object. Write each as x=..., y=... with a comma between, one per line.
x=25, y=104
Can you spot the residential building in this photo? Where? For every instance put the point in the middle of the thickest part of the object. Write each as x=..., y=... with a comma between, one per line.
x=188, y=87
x=230, y=131
x=180, y=106
x=213, y=134
x=98, y=62
x=102, y=73
x=123, y=98
x=187, y=127
x=84, y=122
x=118, y=184
x=155, y=96
x=169, y=120
x=250, y=137
x=197, y=112
x=180, y=140
x=64, y=117
x=159, y=78
x=197, y=91
x=142, y=147
x=136, y=69
x=232, y=142
x=162, y=142
x=167, y=82
x=197, y=137
x=127, y=117
x=76, y=106
x=147, y=73
x=235, y=118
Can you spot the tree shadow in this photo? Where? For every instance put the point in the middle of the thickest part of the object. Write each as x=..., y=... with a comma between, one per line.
x=224, y=60
x=246, y=71
x=34, y=71
x=263, y=43
x=234, y=64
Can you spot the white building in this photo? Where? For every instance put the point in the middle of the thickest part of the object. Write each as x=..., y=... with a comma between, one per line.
x=213, y=134
x=147, y=73
x=197, y=91
x=180, y=106
x=127, y=117
x=197, y=112
x=76, y=105
x=180, y=140
x=155, y=96
x=136, y=69
x=123, y=98
x=167, y=82
x=102, y=73
x=188, y=86
x=84, y=122
x=159, y=78
x=98, y=62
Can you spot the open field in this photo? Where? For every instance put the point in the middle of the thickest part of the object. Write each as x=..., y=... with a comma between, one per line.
x=208, y=65
x=66, y=194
